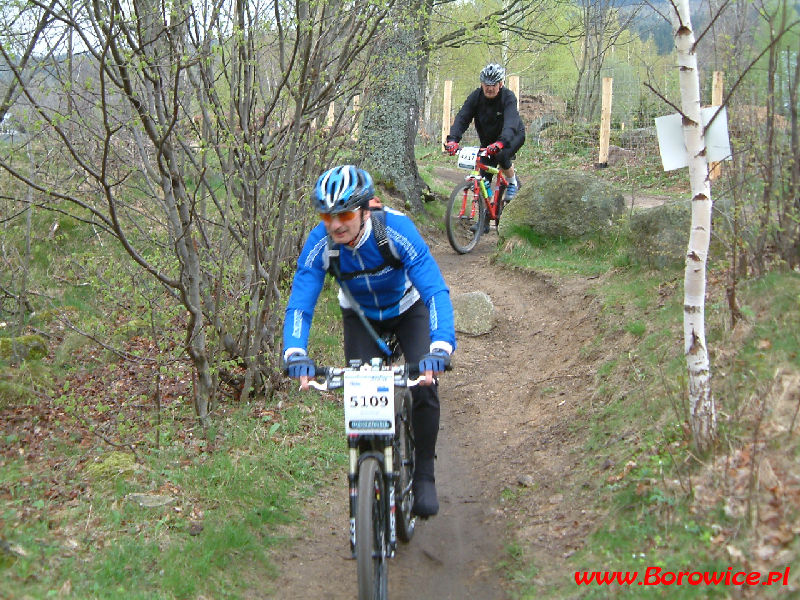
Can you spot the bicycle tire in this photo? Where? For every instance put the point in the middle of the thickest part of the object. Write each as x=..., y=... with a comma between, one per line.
x=465, y=217
x=371, y=532
x=404, y=455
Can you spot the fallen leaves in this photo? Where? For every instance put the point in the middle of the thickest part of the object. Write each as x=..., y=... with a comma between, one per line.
x=759, y=482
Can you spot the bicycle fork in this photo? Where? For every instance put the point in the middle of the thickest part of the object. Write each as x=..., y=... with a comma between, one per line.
x=477, y=181
x=389, y=477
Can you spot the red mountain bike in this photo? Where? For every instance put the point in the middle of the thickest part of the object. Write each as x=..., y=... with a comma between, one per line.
x=471, y=207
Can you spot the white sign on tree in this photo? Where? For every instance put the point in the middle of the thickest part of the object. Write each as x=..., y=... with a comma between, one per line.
x=671, y=142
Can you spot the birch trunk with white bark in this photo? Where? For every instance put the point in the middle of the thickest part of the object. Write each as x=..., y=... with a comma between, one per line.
x=701, y=401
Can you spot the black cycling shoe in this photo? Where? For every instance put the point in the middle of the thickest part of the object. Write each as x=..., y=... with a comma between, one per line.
x=474, y=228
x=425, y=502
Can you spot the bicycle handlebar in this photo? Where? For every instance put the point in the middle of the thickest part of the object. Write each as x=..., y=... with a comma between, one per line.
x=334, y=377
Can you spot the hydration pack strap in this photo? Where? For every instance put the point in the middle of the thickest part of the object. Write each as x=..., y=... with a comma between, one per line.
x=333, y=265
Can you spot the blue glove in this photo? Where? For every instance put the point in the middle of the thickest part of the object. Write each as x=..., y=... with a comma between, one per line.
x=436, y=361
x=298, y=365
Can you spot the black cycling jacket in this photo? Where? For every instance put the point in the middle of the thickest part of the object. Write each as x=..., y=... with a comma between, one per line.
x=495, y=120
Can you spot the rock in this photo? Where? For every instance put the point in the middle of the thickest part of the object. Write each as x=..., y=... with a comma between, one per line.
x=619, y=155
x=660, y=235
x=561, y=203
x=473, y=313
x=151, y=500
x=642, y=137
x=26, y=347
x=526, y=481
x=112, y=465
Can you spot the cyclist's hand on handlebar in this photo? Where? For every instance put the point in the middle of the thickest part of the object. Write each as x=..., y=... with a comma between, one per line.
x=300, y=366
x=433, y=363
x=451, y=148
x=493, y=149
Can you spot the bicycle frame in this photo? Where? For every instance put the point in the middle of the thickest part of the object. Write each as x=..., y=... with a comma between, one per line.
x=478, y=180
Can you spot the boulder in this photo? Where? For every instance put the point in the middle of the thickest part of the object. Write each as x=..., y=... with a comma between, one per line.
x=26, y=347
x=660, y=235
x=473, y=313
x=562, y=203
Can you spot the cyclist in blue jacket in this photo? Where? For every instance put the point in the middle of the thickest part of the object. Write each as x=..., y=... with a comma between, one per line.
x=409, y=298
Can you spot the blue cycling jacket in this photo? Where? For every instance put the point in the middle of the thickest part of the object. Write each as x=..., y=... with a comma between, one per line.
x=383, y=294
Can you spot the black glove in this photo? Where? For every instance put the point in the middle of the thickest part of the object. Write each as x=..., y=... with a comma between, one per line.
x=437, y=361
x=298, y=365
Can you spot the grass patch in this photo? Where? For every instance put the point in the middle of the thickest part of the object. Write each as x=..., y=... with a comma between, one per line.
x=222, y=512
x=587, y=257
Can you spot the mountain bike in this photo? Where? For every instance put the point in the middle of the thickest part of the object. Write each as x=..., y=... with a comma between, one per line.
x=472, y=206
x=380, y=438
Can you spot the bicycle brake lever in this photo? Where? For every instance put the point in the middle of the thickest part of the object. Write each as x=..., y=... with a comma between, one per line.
x=418, y=381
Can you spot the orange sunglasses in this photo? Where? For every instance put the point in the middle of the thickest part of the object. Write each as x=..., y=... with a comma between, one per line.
x=344, y=217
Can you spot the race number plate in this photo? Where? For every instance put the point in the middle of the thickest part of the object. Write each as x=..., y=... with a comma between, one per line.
x=369, y=402
x=467, y=157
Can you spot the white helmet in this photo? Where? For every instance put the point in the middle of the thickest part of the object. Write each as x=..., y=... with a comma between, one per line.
x=341, y=189
x=492, y=74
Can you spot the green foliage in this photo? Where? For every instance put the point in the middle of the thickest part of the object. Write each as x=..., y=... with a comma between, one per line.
x=26, y=347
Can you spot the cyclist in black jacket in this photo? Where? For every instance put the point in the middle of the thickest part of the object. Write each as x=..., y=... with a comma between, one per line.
x=497, y=121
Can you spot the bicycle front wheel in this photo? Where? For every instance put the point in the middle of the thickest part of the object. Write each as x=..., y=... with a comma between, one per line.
x=404, y=455
x=464, y=219
x=371, y=538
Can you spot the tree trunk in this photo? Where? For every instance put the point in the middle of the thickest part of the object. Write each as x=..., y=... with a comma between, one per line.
x=391, y=115
x=701, y=401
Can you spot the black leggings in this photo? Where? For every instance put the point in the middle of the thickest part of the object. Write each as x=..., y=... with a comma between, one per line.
x=412, y=329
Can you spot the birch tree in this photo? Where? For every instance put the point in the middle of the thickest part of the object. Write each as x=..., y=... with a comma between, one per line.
x=702, y=415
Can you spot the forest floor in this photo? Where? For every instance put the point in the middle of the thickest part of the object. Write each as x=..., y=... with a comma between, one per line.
x=509, y=432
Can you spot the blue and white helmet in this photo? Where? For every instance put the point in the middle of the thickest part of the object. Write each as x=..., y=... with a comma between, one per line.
x=492, y=73
x=341, y=189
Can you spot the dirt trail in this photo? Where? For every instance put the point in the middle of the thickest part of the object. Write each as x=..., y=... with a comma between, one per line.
x=507, y=411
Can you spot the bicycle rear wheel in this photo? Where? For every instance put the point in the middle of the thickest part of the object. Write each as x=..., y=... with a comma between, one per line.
x=465, y=217
x=404, y=455
x=371, y=537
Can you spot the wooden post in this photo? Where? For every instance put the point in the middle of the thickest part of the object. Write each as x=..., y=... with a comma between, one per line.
x=715, y=168
x=356, y=114
x=513, y=85
x=605, y=123
x=329, y=120
x=446, y=104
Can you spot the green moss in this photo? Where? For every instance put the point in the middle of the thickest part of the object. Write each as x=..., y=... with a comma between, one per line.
x=26, y=347
x=111, y=466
